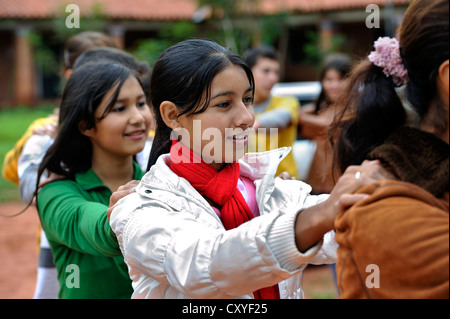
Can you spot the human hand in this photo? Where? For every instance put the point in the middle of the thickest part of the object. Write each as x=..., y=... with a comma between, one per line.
x=51, y=177
x=55, y=113
x=49, y=129
x=286, y=176
x=314, y=222
x=121, y=192
x=343, y=194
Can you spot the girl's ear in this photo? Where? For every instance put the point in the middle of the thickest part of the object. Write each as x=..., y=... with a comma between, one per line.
x=83, y=130
x=169, y=114
x=444, y=79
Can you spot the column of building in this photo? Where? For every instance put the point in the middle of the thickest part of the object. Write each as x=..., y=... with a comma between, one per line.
x=24, y=82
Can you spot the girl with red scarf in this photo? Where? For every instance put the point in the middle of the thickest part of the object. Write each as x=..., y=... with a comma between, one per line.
x=208, y=220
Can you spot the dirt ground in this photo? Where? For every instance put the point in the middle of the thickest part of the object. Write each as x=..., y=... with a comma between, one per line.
x=19, y=256
x=18, y=251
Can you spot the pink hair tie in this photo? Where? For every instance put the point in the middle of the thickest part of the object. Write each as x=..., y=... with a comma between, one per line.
x=387, y=56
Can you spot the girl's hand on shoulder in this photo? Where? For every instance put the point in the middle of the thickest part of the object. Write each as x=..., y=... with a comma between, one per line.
x=48, y=129
x=121, y=192
x=286, y=175
x=313, y=222
x=355, y=177
x=51, y=178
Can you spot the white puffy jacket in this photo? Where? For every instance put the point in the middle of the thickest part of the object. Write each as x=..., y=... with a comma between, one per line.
x=175, y=245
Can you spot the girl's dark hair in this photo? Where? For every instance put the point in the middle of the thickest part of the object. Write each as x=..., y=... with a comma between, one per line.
x=108, y=54
x=86, y=88
x=342, y=64
x=83, y=41
x=182, y=75
x=372, y=108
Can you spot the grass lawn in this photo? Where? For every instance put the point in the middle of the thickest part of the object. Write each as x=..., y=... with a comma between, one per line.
x=13, y=123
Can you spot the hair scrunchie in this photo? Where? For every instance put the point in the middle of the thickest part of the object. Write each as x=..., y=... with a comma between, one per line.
x=387, y=56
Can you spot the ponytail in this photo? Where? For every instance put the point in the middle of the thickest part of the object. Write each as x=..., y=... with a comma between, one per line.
x=371, y=109
x=371, y=112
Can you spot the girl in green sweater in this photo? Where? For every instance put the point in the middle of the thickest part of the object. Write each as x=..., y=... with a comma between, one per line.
x=104, y=121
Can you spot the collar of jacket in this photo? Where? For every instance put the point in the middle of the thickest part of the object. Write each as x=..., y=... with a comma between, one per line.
x=416, y=157
x=255, y=166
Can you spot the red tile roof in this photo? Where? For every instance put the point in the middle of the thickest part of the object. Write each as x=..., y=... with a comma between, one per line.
x=323, y=5
x=165, y=9
x=114, y=9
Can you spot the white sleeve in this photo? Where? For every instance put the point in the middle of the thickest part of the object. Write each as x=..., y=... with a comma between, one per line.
x=198, y=260
x=33, y=152
x=298, y=198
x=27, y=167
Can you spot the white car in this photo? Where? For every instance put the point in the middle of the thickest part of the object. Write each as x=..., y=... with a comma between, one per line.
x=305, y=92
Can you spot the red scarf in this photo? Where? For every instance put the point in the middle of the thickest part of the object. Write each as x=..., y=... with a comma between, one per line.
x=221, y=188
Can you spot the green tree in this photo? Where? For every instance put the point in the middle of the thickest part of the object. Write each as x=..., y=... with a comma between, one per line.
x=242, y=25
x=46, y=58
x=315, y=53
x=173, y=32
x=233, y=23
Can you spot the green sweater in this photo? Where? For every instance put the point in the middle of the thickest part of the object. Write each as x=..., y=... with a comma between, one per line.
x=85, y=249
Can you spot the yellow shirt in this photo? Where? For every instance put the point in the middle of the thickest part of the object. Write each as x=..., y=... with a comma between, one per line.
x=9, y=171
x=275, y=138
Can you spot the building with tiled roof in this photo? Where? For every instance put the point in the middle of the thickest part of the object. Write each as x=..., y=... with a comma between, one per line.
x=309, y=6
x=170, y=9
x=128, y=21
x=113, y=9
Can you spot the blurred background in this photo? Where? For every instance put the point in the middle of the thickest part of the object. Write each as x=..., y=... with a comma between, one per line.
x=33, y=32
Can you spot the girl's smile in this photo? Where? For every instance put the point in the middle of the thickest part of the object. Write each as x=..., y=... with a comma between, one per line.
x=240, y=139
x=137, y=135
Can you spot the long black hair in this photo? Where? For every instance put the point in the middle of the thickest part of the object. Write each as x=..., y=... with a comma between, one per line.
x=182, y=75
x=372, y=107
